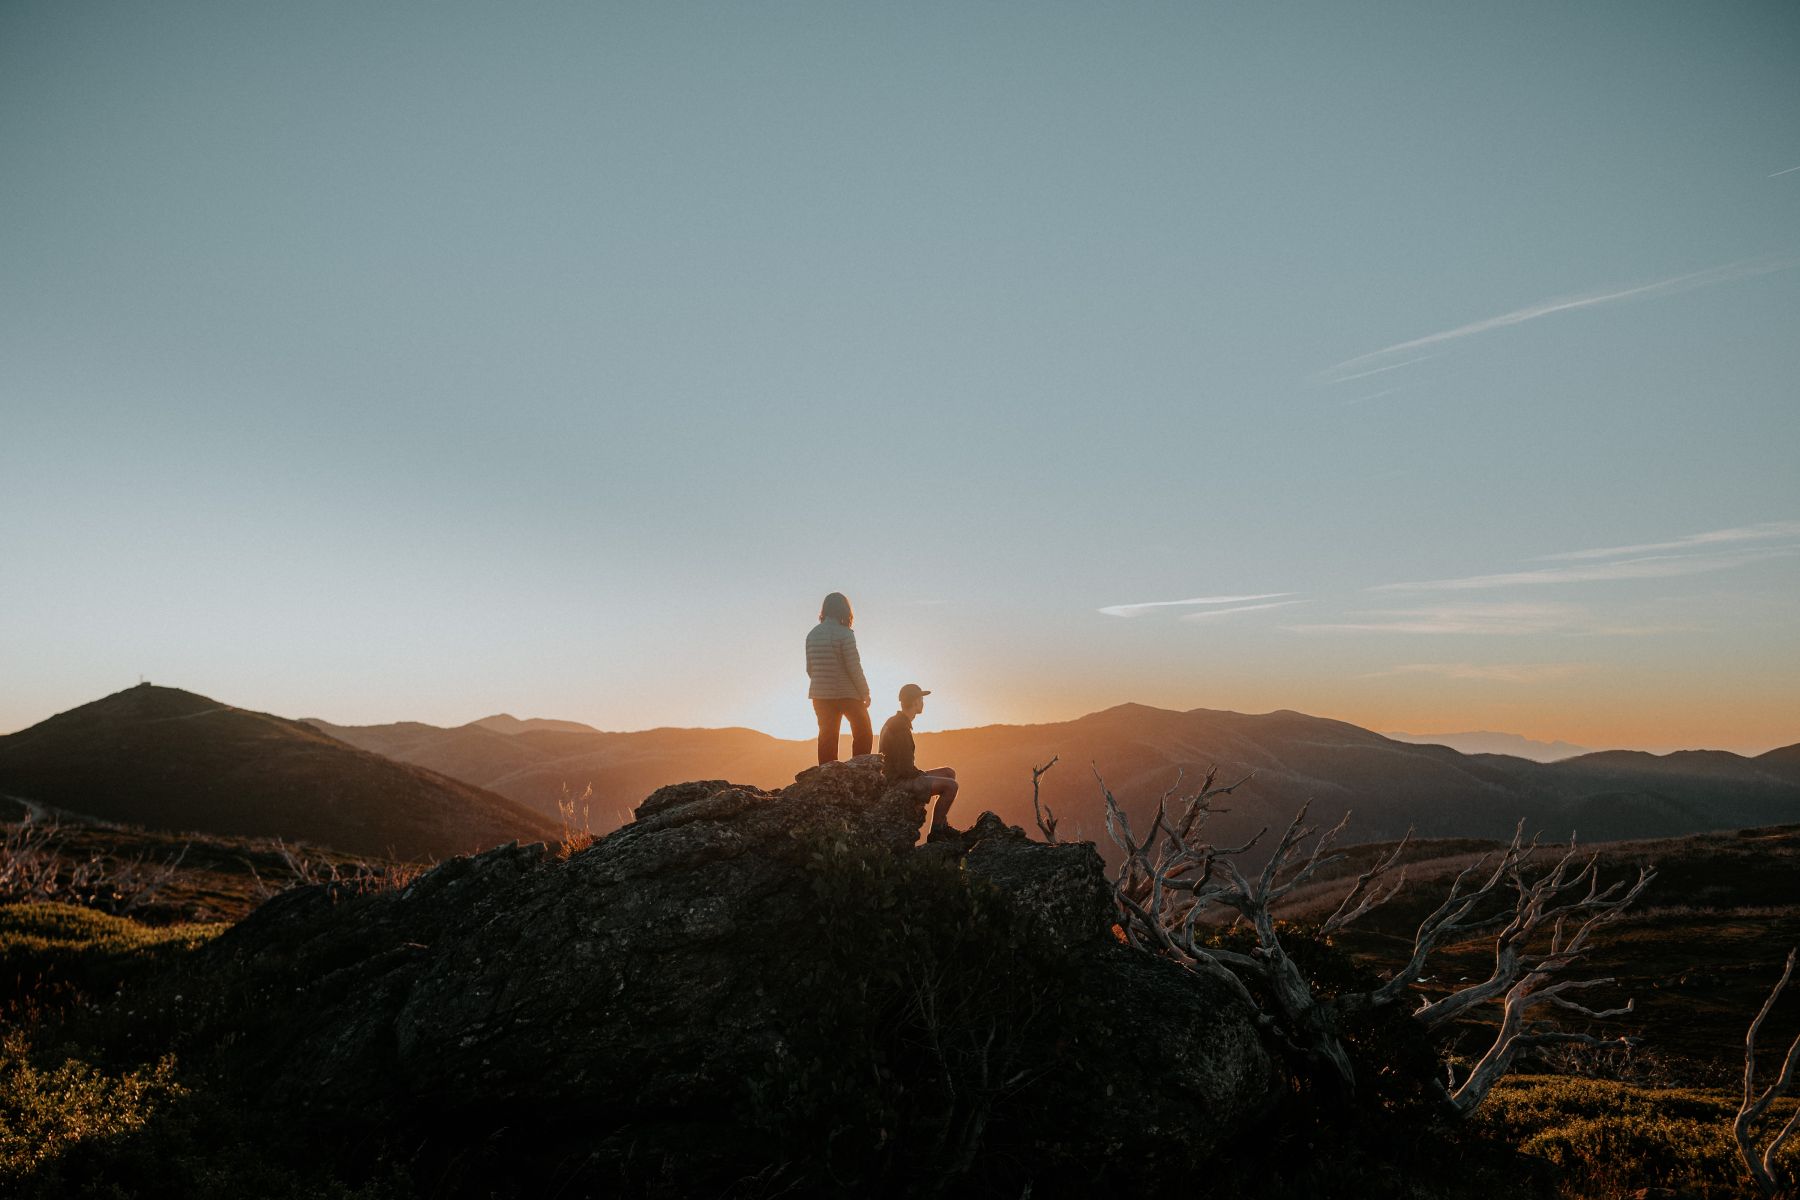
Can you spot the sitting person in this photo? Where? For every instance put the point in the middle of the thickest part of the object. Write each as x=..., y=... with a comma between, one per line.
x=898, y=765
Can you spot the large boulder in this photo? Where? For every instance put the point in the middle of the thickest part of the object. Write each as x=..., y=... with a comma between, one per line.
x=748, y=984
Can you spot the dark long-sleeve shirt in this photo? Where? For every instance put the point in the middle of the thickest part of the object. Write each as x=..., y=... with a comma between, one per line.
x=897, y=748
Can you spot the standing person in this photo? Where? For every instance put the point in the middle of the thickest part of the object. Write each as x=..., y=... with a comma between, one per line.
x=897, y=761
x=838, y=688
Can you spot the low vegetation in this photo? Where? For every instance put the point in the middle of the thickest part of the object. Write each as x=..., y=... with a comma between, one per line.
x=87, y=1114
x=85, y=1111
x=161, y=878
x=1608, y=1141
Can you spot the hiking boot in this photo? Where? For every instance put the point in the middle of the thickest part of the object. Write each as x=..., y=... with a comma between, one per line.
x=941, y=833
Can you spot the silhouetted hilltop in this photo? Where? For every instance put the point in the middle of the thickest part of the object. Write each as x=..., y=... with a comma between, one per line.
x=1784, y=762
x=1294, y=758
x=537, y=766
x=168, y=759
x=1485, y=741
x=509, y=724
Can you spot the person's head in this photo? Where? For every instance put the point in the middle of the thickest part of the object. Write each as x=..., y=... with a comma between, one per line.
x=912, y=699
x=837, y=608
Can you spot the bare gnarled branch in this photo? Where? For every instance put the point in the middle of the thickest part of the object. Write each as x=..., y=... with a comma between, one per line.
x=1755, y=1107
x=1046, y=820
x=1169, y=878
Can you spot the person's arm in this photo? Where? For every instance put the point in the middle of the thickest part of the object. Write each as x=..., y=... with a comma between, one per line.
x=853, y=664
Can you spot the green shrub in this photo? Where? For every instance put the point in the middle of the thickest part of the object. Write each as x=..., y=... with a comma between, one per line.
x=70, y=1128
x=53, y=956
x=1612, y=1139
x=46, y=1113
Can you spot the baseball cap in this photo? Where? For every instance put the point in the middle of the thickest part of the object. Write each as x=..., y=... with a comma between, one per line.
x=912, y=691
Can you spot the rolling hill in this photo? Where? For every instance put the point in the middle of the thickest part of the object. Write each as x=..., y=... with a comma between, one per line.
x=1487, y=742
x=1294, y=758
x=534, y=766
x=168, y=759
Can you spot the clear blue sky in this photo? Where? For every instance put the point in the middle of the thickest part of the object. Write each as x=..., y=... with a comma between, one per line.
x=427, y=360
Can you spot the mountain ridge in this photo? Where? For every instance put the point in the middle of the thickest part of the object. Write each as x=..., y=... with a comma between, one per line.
x=1488, y=741
x=161, y=757
x=1293, y=758
x=168, y=759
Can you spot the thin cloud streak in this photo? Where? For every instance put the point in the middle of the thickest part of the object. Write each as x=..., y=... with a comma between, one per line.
x=1325, y=377
x=1656, y=566
x=1518, y=316
x=1138, y=610
x=1762, y=531
x=1219, y=612
x=1402, y=387
x=1505, y=619
x=1488, y=673
x=1789, y=171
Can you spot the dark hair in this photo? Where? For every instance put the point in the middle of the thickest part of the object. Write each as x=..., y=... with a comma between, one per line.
x=836, y=607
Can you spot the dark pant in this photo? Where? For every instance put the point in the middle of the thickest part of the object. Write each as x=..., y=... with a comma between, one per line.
x=831, y=714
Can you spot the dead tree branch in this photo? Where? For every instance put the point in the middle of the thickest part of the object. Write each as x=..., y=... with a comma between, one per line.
x=1753, y=1112
x=1170, y=879
x=1046, y=820
x=35, y=864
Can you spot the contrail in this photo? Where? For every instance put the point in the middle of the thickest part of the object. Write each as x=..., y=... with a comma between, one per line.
x=1789, y=171
x=1132, y=610
x=1219, y=612
x=1518, y=316
x=1373, y=371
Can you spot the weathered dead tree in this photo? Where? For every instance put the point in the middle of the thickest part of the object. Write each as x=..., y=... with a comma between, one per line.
x=139, y=883
x=1753, y=1113
x=1172, y=885
x=34, y=865
x=29, y=866
x=1046, y=820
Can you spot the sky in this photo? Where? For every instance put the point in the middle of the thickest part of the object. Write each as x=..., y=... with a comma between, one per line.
x=1432, y=367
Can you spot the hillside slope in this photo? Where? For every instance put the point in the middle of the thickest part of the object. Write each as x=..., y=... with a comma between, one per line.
x=1139, y=750
x=535, y=765
x=168, y=759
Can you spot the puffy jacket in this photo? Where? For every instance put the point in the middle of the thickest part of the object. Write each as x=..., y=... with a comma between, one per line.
x=833, y=664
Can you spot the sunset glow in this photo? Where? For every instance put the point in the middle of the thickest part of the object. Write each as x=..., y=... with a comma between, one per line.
x=1130, y=371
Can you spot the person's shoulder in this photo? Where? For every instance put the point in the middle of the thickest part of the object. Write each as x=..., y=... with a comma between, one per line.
x=895, y=722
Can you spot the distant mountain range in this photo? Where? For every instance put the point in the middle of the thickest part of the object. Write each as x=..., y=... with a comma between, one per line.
x=168, y=759
x=538, y=763
x=1294, y=758
x=1487, y=742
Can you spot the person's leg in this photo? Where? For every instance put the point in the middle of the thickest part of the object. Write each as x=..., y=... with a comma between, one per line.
x=830, y=719
x=942, y=782
x=862, y=736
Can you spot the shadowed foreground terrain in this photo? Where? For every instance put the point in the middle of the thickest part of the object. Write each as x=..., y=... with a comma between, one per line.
x=749, y=993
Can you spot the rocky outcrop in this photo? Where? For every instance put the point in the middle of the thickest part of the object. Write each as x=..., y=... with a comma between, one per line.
x=749, y=984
